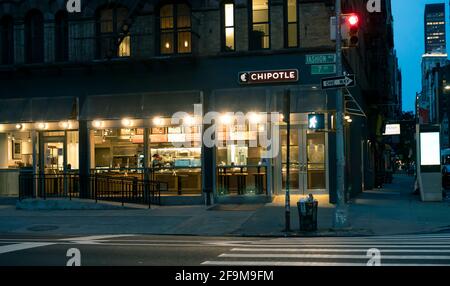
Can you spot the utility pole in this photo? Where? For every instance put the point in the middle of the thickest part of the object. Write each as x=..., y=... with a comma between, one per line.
x=340, y=218
x=287, y=119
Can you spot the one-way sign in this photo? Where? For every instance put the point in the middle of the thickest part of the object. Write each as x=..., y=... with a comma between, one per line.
x=338, y=82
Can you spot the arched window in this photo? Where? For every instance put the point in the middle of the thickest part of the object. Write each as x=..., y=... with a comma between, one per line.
x=259, y=35
x=291, y=24
x=61, y=36
x=228, y=38
x=175, y=28
x=109, y=23
x=7, y=40
x=34, y=37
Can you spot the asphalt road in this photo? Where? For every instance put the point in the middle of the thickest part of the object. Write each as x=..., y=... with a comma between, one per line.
x=136, y=250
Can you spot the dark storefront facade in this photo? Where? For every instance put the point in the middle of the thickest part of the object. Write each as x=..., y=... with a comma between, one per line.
x=95, y=111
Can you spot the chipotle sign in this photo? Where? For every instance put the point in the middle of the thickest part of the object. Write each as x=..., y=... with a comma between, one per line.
x=269, y=76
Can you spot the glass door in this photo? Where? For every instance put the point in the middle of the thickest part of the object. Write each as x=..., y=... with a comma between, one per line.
x=307, y=160
x=53, y=157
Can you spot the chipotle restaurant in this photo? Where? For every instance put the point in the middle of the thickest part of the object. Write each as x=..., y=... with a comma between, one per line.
x=130, y=133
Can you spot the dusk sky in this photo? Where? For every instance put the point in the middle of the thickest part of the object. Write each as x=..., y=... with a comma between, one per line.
x=409, y=43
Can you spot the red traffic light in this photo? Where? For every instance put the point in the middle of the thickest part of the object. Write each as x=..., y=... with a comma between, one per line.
x=353, y=20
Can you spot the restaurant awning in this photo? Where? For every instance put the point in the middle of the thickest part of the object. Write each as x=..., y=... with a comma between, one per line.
x=38, y=109
x=139, y=105
x=269, y=99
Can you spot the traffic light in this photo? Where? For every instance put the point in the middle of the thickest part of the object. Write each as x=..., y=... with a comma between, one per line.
x=353, y=27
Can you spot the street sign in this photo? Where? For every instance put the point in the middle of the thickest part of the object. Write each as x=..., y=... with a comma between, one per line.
x=269, y=76
x=320, y=59
x=323, y=69
x=338, y=82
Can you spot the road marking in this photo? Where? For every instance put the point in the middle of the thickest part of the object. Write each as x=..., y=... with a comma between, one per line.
x=22, y=246
x=339, y=250
x=334, y=256
x=297, y=263
x=96, y=237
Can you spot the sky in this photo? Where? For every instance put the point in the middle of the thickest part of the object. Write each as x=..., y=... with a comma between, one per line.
x=409, y=43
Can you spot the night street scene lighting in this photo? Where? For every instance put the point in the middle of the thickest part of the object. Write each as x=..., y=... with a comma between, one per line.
x=212, y=141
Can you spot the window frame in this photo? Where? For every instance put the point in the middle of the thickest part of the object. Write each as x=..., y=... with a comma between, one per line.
x=115, y=31
x=287, y=23
x=251, y=24
x=223, y=26
x=175, y=30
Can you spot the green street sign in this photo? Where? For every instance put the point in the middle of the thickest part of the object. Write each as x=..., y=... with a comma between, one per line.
x=323, y=69
x=320, y=59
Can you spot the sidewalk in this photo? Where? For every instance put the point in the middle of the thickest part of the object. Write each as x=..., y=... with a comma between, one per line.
x=392, y=210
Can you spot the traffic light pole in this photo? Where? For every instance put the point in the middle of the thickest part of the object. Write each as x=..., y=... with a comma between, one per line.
x=287, y=119
x=340, y=217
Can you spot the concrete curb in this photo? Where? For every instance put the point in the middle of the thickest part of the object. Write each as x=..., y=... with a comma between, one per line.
x=63, y=204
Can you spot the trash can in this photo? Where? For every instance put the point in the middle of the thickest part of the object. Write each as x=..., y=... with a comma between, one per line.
x=307, y=212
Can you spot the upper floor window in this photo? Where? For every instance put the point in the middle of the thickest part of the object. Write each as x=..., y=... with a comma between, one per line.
x=61, y=36
x=228, y=41
x=291, y=24
x=34, y=37
x=109, y=25
x=7, y=40
x=175, y=28
x=260, y=25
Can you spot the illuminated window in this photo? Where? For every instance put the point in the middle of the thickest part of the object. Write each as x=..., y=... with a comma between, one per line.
x=109, y=24
x=228, y=26
x=175, y=29
x=291, y=24
x=260, y=25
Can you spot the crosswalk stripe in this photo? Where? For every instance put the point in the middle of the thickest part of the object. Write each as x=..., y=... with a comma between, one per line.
x=370, y=245
x=21, y=246
x=298, y=263
x=339, y=250
x=334, y=256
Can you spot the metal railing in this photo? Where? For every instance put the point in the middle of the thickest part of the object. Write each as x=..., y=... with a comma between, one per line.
x=126, y=189
x=103, y=187
x=49, y=185
x=242, y=180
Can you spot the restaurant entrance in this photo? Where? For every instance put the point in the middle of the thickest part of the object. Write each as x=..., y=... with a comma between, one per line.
x=307, y=159
x=58, y=162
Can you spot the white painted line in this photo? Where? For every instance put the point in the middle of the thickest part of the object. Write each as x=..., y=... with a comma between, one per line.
x=364, y=250
x=356, y=243
x=22, y=246
x=95, y=237
x=297, y=263
x=367, y=245
x=335, y=256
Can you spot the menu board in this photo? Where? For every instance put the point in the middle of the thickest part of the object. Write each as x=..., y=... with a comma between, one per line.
x=158, y=138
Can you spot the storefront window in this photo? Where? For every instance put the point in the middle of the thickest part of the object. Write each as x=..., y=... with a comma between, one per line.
x=119, y=148
x=175, y=158
x=241, y=169
x=16, y=150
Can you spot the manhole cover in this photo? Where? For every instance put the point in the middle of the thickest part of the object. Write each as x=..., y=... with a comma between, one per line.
x=42, y=228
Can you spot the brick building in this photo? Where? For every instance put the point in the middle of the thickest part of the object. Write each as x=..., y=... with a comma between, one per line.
x=95, y=93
